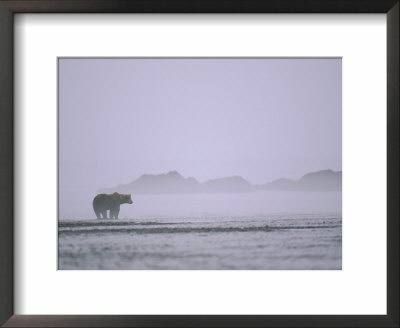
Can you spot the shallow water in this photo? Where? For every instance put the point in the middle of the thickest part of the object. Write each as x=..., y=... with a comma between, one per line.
x=257, y=242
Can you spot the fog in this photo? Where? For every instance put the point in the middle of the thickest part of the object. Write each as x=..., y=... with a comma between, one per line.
x=261, y=119
x=199, y=205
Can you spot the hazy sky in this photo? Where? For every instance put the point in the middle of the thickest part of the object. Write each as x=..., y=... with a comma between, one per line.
x=259, y=118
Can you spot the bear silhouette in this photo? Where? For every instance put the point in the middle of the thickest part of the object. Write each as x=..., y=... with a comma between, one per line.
x=104, y=202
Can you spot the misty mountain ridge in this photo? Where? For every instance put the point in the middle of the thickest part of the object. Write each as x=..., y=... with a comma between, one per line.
x=171, y=182
x=174, y=183
x=325, y=180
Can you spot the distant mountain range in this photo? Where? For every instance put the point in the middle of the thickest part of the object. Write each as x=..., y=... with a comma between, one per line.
x=326, y=180
x=174, y=183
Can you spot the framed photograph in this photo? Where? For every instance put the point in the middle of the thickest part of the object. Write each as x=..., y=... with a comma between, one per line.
x=199, y=164
x=189, y=203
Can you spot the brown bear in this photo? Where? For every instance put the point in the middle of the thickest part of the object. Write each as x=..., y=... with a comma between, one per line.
x=104, y=202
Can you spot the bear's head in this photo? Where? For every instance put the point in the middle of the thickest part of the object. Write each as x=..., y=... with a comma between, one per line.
x=125, y=199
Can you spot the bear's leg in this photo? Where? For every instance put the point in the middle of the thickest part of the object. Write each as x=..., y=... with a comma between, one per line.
x=104, y=213
x=116, y=210
x=97, y=213
x=112, y=214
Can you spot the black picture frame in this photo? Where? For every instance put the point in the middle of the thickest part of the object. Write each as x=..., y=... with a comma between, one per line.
x=10, y=7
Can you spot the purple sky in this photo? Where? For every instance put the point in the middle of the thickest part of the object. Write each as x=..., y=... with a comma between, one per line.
x=259, y=118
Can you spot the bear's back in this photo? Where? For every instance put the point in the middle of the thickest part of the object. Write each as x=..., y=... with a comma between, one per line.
x=105, y=199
